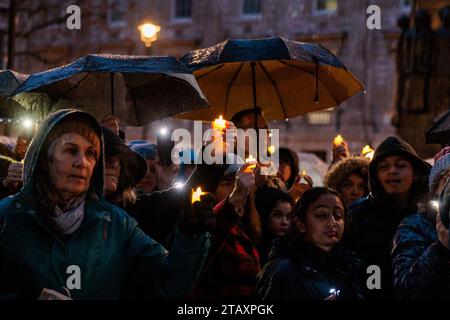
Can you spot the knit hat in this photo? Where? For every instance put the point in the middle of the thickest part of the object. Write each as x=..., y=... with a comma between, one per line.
x=144, y=148
x=441, y=165
x=72, y=125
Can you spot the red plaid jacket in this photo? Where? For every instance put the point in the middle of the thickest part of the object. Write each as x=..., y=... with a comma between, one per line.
x=233, y=261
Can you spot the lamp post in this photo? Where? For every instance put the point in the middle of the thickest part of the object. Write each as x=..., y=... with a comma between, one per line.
x=149, y=34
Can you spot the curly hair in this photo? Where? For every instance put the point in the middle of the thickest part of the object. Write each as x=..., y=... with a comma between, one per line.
x=336, y=176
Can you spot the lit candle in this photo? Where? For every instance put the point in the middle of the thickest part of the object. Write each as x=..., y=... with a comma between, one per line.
x=196, y=194
x=271, y=149
x=303, y=173
x=219, y=124
x=367, y=152
x=338, y=140
x=252, y=162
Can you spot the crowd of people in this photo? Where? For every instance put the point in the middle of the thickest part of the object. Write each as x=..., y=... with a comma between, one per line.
x=78, y=196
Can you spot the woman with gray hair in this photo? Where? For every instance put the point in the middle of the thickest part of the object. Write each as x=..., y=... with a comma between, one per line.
x=60, y=238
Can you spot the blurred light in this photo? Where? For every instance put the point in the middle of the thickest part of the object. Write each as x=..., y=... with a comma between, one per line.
x=149, y=33
x=27, y=123
x=178, y=185
x=434, y=204
x=163, y=131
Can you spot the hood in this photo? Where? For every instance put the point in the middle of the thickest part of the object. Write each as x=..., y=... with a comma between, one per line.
x=35, y=148
x=393, y=146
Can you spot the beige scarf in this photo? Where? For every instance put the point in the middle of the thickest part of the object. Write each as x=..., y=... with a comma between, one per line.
x=69, y=219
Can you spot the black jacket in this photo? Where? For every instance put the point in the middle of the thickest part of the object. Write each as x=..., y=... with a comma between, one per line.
x=157, y=212
x=302, y=271
x=372, y=220
x=419, y=261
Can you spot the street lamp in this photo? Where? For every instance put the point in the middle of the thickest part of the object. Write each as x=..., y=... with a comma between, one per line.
x=149, y=33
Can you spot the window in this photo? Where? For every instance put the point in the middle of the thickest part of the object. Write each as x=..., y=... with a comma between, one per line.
x=117, y=10
x=319, y=118
x=252, y=7
x=325, y=6
x=183, y=9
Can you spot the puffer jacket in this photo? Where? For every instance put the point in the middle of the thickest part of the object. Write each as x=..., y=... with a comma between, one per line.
x=419, y=261
x=298, y=270
x=372, y=220
x=109, y=251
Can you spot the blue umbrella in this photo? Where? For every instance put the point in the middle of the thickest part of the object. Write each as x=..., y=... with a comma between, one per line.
x=137, y=89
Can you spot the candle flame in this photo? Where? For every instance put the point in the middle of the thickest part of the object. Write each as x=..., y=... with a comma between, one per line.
x=252, y=162
x=219, y=124
x=367, y=152
x=303, y=173
x=196, y=194
x=338, y=140
x=271, y=149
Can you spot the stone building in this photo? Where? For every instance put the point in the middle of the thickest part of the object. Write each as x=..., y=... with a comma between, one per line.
x=111, y=26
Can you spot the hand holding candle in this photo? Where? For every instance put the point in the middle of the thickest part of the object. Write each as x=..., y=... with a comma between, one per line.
x=340, y=149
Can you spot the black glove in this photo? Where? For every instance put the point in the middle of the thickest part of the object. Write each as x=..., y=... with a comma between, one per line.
x=198, y=217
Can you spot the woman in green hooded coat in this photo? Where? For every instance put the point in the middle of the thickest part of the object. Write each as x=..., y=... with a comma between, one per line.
x=59, y=237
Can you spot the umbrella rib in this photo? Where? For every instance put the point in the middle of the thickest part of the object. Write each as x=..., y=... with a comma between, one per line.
x=313, y=74
x=210, y=71
x=275, y=86
x=230, y=85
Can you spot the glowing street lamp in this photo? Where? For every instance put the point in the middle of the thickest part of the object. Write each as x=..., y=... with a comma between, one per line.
x=149, y=32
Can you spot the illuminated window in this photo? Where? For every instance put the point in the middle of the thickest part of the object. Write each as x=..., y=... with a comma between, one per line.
x=319, y=118
x=252, y=7
x=183, y=9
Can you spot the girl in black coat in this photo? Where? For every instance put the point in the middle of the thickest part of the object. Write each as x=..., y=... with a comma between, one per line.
x=310, y=263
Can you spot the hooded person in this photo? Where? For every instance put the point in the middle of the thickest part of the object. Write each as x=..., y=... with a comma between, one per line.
x=420, y=254
x=150, y=153
x=398, y=184
x=60, y=222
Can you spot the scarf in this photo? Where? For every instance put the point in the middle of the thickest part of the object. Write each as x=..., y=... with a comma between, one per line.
x=69, y=219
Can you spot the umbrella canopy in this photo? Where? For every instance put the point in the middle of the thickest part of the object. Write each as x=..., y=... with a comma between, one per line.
x=284, y=78
x=440, y=130
x=9, y=82
x=137, y=89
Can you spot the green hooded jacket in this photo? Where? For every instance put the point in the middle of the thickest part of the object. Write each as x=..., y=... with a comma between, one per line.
x=105, y=255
